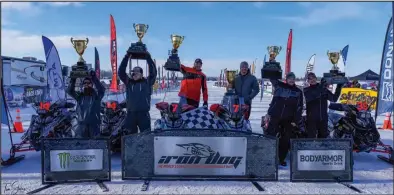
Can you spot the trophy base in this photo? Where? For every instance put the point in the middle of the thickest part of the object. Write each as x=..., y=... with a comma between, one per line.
x=138, y=51
x=335, y=77
x=80, y=71
x=173, y=63
x=271, y=70
x=229, y=92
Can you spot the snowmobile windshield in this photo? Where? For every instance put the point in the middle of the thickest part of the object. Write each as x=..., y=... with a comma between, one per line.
x=111, y=96
x=233, y=105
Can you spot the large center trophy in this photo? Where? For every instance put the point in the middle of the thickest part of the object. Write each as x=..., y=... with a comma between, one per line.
x=230, y=76
x=173, y=63
x=81, y=69
x=272, y=69
x=138, y=50
x=334, y=76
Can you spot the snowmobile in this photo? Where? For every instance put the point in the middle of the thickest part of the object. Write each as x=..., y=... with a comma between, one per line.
x=52, y=121
x=360, y=126
x=113, y=116
x=171, y=115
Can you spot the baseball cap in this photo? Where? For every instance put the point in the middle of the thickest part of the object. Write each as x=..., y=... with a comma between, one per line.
x=198, y=60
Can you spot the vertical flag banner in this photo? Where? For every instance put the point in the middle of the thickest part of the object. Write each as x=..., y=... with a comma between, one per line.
x=385, y=93
x=97, y=62
x=114, y=57
x=288, y=52
x=54, y=71
x=344, y=54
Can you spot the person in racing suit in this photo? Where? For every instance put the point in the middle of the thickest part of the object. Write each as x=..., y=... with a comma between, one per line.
x=316, y=98
x=138, y=95
x=246, y=86
x=284, y=113
x=194, y=81
x=88, y=106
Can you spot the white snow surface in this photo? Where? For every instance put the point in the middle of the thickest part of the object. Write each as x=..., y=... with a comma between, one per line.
x=371, y=175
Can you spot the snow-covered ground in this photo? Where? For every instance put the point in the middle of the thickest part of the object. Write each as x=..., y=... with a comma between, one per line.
x=371, y=175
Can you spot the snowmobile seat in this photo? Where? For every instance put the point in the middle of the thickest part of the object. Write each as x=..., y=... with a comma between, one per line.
x=162, y=105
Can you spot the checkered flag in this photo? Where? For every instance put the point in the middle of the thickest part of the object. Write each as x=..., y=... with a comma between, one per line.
x=200, y=118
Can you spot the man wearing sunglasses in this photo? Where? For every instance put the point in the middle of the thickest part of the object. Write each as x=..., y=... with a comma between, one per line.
x=88, y=105
x=194, y=81
x=138, y=95
x=316, y=98
x=284, y=112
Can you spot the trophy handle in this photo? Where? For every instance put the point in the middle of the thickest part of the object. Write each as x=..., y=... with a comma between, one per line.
x=280, y=48
x=134, y=26
x=147, y=27
x=87, y=41
x=268, y=48
x=72, y=41
x=183, y=37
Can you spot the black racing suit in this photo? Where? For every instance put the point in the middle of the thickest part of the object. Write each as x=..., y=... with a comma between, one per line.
x=316, y=98
x=88, y=109
x=138, y=97
x=285, y=108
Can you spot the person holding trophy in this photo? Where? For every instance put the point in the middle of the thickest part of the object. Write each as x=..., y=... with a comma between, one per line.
x=89, y=100
x=138, y=89
x=246, y=85
x=316, y=97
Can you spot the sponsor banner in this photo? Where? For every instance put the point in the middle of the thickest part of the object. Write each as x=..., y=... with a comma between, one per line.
x=35, y=94
x=323, y=160
x=22, y=72
x=75, y=160
x=360, y=97
x=200, y=155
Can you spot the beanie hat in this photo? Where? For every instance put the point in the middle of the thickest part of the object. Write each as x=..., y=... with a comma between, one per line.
x=244, y=64
x=290, y=74
x=311, y=74
x=138, y=69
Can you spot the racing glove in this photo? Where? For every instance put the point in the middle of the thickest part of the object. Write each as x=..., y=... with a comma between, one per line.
x=205, y=104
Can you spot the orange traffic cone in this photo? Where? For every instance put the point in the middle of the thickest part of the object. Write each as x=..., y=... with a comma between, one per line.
x=387, y=122
x=18, y=128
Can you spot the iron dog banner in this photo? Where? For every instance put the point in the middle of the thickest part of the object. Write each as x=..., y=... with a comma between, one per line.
x=200, y=156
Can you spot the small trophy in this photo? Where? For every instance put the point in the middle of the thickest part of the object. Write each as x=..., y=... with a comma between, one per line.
x=230, y=76
x=173, y=63
x=80, y=70
x=272, y=69
x=334, y=76
x=138, y=50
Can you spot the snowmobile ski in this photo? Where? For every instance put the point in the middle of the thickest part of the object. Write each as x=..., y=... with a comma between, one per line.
x=102, y=186
x=145, y=186
x=12, y=160
x=348, y=185
x=41, y=189
x=388, y=160
x=258, y=186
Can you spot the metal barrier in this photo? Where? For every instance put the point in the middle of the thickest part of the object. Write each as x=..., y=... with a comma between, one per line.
x=199, y=154
x=74, y=160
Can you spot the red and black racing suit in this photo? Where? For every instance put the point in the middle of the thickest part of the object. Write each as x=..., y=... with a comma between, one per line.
x=192, y=84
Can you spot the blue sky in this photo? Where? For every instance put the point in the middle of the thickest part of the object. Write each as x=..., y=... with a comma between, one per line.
x=222, y=34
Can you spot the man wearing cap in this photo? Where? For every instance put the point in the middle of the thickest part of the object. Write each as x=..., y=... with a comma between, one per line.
x=194, y=81
x=138, y=95
x=316, y=98
x=246, y=85
x=284, y=112
x=88, y=106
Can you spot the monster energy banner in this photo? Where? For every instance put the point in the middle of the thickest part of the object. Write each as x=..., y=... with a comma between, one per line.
x=75, y=160
x=321, y=160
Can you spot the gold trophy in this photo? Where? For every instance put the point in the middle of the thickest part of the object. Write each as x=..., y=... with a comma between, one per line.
x=173, y=63
x=230, y=76
x=272, y=69
x=80, y=70
x=334, y=76
x=138, y=50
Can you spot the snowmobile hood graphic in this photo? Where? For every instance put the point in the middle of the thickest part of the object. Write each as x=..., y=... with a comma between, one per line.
x=196, y=149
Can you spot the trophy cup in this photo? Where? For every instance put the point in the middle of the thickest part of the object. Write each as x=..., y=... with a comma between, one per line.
x=80, y=70
x=230, y=76
x=334, y=76
x=138, y=50
x=272, y=69
x=173, y=63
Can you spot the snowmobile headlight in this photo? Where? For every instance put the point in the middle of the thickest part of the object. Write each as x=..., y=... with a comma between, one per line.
x=362, y=115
